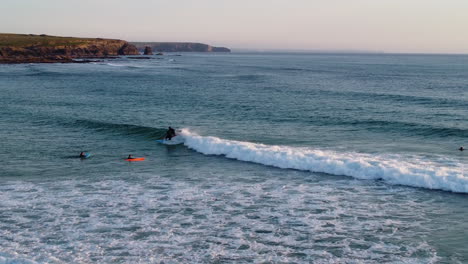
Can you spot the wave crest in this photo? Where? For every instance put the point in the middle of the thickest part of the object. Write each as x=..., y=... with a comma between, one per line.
x=395, y=169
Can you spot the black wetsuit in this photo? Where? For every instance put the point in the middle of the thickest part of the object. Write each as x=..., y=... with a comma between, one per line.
x=170, y=133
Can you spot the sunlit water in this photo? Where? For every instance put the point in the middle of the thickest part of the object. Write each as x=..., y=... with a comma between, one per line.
x=285, y=158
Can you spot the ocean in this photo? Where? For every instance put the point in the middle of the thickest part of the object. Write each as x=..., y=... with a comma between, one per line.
x=285, y=158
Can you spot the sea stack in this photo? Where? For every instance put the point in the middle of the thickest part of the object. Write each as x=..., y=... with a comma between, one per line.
x=148, y=51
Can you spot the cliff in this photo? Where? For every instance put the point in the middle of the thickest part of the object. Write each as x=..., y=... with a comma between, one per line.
x=179, y=47
x=21, y=48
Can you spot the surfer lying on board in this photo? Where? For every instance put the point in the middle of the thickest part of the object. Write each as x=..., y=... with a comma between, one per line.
x=82, y=155
x=170, y=133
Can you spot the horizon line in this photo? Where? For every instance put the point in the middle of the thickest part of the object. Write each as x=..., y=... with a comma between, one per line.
x=339, y=51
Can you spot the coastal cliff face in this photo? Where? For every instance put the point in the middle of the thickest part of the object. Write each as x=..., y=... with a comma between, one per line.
x=17, y=48
x=179, y=47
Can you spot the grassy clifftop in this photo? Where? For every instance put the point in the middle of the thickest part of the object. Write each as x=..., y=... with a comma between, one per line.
x=21, y=48
x=24, y=40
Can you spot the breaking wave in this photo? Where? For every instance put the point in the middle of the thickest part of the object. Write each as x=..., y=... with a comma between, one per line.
x=395, y=169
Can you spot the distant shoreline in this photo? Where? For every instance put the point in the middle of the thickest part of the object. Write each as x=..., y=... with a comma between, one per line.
x=178, y=47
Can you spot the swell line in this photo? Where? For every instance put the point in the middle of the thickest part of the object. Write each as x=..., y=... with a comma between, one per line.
x=395, y=169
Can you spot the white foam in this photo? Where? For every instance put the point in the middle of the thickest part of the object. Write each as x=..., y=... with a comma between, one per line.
x=115, y=65
x=403, y=170
x=127, y=65
x=155, y=217
x=174, y=141
x=9, y=259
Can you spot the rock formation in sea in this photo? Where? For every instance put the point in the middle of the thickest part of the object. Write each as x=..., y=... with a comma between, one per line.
x=22, y=48
x=148, y=50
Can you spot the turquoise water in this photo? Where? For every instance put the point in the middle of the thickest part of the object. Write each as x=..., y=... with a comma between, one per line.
x=324, y=158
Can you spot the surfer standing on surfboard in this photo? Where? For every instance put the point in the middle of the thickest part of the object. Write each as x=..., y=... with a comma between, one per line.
x=170, y=133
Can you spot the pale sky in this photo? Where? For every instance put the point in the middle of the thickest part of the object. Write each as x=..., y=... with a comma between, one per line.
x=421, y=26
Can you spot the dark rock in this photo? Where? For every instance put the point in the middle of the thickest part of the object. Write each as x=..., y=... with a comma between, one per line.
x=100, y=57
x=148, y=51
x=128, y=49
x=139, y=58
x=86, y=61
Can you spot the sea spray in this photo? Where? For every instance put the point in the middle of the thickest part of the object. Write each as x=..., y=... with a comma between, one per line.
x=395, y=169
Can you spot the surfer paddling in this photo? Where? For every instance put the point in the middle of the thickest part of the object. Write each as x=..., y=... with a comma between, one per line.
x=461, y=149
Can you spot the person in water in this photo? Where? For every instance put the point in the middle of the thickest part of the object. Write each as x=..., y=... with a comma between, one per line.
x=130, y=156
x=82, y=155
x=170, y=133
x=461, y=149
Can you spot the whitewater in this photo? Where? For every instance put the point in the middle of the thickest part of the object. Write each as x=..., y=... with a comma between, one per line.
x=394, y=169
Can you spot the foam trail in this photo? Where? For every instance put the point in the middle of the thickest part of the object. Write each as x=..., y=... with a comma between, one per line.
x=115, y=65
x=409, y=171
x=130, y=66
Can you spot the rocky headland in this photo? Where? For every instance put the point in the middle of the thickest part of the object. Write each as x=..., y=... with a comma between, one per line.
x=178, y=47
x=29, y=48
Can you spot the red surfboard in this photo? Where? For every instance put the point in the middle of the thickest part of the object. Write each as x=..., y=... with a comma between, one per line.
x=135, y=159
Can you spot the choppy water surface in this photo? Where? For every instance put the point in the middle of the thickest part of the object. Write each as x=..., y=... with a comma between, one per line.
x=300, y=158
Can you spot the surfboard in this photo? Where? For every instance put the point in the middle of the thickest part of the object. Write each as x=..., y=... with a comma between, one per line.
x=135, y=159
x=174, y=141
x=86, y=155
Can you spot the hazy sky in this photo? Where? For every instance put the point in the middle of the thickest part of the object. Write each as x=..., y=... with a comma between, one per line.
x=434, y=26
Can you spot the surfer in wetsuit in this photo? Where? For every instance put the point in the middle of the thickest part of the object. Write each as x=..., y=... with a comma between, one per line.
x=170, y=133
x=130, y=156
x=461, y=149
x=82, y=155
